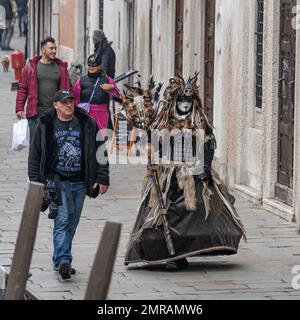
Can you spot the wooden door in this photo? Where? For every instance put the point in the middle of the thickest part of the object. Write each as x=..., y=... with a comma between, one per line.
x=209, y=57
x=179, y=38
x=131, y=33
x=86, y=38
x=151, y=38
x=101, y=14
x=260, y=52
x=283, y=189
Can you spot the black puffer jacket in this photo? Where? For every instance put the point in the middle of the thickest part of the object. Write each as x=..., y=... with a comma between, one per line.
x=107, y=56
x=41, y=151
x=87, y=84
x=22, y=6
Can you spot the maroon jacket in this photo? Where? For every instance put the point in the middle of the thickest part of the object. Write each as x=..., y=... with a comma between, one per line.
x=28, y=86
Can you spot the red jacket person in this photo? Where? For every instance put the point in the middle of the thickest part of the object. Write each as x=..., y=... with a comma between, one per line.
x=42, y=77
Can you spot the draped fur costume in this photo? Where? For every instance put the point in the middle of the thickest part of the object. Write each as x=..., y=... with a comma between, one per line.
x=180, y=214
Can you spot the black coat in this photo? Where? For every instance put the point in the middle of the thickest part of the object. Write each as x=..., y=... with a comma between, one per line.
x=22, y=6
x=41, y=151
x=8, y=9
x=87, y=85
x=106, y=54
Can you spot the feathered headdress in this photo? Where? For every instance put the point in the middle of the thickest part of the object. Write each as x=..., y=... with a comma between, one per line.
x=140, y=104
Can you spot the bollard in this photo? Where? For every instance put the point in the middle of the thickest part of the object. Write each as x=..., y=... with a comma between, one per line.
x=17, y=63
x=100, y=275
x=17, y=279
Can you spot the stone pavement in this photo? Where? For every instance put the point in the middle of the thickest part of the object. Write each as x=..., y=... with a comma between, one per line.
x=261, y=270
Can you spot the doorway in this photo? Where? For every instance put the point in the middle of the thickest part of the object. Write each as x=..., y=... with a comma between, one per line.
x=286, y=92
x=179, y=38
x=209, y=58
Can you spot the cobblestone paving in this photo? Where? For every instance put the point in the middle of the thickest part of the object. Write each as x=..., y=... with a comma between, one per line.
x=261, y=269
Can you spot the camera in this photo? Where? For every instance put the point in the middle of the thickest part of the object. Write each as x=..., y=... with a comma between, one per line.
x=95, y=192
x=53, y=206
x=50, y=200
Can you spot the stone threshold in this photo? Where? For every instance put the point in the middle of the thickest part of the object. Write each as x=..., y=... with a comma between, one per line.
x=280, y=209
x=248, y=194
x=274, y=206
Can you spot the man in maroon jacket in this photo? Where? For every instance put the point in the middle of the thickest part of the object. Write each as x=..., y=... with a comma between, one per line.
x=42, y=77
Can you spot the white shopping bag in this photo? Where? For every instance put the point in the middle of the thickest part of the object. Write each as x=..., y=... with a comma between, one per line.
x=20, y=135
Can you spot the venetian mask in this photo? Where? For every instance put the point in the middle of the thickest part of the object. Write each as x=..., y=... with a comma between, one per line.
x=184, y=104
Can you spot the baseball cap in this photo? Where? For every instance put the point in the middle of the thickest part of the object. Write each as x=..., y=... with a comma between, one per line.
x=62, y=95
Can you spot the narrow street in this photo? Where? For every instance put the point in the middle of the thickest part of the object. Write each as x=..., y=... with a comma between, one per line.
x=262, y=269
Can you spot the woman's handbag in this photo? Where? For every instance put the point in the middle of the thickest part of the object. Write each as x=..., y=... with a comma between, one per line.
x=86, y=105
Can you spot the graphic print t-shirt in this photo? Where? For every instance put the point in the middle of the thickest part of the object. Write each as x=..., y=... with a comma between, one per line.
x=67, y=137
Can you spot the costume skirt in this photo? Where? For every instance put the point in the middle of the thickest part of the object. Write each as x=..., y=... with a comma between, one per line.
x=214, y=228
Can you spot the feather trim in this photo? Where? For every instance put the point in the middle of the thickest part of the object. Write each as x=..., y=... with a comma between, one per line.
x=186, y=183
x=206, y=194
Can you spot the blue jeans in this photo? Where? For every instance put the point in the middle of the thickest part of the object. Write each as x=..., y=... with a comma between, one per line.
x=7, y=34
x=66, y=222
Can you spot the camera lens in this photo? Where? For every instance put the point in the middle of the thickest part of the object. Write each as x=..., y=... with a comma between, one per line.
x=52, y=215
x=53, y=211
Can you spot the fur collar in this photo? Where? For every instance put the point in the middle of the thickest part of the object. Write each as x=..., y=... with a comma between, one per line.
x=81, y=115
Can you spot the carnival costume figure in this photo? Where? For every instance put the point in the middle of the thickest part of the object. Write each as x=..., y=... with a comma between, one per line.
x=185, y=210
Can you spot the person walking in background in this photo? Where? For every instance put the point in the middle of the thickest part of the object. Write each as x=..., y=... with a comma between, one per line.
x=40, y=80
x=96, y=88
x=2, y=21
x=9, y=25
x=104, y=53
x=22, y=16
x=63, y=151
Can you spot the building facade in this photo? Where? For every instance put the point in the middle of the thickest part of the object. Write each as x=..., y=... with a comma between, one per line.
x=70, y=22
x=247, y=53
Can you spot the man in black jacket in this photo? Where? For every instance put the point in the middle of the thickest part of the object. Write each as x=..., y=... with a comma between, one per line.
x=63, y=155
x=22, y=16
x=104, y=53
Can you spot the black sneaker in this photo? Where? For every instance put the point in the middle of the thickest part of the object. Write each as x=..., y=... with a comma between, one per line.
x=177, y=265
x=64, y=270
x=73, y=271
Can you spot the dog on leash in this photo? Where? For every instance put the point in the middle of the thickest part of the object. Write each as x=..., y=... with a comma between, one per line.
x=5, y=63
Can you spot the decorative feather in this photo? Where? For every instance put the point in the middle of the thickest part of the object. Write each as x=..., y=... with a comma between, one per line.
x=207, y=194
x=187, y=184
x=151, y=83
x=138, y=82
x=157, y=92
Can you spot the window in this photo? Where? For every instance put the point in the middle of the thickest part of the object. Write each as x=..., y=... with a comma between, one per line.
x=259, y=53
x=101, y=16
